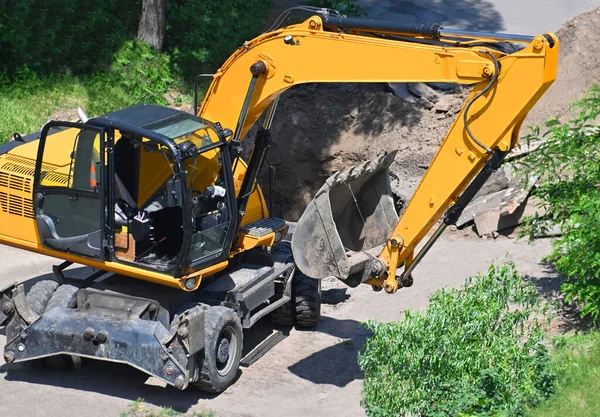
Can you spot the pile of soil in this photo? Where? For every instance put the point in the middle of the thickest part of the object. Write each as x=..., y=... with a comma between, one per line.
x=322, y=128
x=578, y=69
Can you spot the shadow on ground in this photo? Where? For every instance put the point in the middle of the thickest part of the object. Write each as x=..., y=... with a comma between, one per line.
x=338, y=364
x=568, y=314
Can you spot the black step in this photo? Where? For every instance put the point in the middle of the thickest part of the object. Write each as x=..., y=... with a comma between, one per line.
x=263, y=227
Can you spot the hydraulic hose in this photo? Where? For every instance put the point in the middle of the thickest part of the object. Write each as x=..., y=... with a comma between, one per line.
x=481, y=93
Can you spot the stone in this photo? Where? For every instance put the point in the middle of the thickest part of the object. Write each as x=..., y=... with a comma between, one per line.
x=443, y=105
x=551, y=231
x=169, y=98
x=516, y=195
x=423, y=91
x=426, y=104
x=401, y=90
x=498, y=181
x=480, y=205
x=523, y=149
x=493, y=221
x=354, y=113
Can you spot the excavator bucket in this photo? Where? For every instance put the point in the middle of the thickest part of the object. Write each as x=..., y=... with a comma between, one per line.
x=351, y=214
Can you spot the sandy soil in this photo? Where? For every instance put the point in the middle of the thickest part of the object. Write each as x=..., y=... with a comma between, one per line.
x=320, y=129
x=309, y=373
x=314, y=373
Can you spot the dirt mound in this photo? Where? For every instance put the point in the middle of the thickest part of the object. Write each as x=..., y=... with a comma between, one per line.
x=320, y=129
x=578, y=68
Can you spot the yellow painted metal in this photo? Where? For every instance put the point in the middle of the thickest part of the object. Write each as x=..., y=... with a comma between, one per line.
x=319, y=56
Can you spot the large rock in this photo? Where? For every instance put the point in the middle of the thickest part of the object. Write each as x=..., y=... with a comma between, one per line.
x=401, y=90
x=423, y=91
x=493, y=221
x=498, y=181
x=483, y=204
x=516, y=195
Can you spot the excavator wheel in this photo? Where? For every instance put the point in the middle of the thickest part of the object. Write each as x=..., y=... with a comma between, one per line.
x=39, y=295
x=45, y=296
x=65, y=296
x=305, y=307
x=219, y=361
x=307, y=299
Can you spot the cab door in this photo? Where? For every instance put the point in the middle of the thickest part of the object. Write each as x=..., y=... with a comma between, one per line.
x=69, y=188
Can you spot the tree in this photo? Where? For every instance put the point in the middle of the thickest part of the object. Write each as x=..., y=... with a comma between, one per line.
x=151, y=29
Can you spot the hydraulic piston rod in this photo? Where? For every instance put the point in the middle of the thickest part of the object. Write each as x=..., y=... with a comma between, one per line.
x=426, y=30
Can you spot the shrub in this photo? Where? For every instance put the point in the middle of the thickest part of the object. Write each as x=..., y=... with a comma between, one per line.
x=345, y=7
x=474, y=351
x=75, y=35
x=144, y=73
x=201, y=35
x=568, y=165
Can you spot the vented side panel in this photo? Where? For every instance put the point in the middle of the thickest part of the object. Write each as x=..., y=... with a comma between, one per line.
x=16, y=182
x=19, y=206
x=23, y=166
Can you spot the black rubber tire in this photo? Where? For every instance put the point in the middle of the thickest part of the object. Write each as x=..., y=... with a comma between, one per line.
x=219, y=323
x=65, y=296
x=39, y=295
x=175, y=321
x=307, y=300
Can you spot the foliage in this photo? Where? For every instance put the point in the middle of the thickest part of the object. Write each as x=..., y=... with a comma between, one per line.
x=75, y=35
x=139, y=408
x=568, y=165
x=474, y=351
x=345, y=7
x=577, y=359
x=139, y=74
x=144, y=74
x=201, y=35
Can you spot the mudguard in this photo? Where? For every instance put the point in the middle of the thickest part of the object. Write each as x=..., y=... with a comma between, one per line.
x=112, y=328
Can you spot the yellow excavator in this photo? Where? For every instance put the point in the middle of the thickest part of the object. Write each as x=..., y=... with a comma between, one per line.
x=164, y=197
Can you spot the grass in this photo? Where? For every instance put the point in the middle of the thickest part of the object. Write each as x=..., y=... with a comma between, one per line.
x=577, y=359
x=28, y=102
x=139, y=408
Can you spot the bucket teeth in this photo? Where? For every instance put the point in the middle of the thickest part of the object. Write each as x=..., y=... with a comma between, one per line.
x=351, y=213
x=358, y=171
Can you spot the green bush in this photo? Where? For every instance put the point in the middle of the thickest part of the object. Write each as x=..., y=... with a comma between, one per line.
x=345, y=7
x=568, y=165
x=144, y=74
x=474, y=351
x=201, y=35
x=139, y=74
x=64, y=35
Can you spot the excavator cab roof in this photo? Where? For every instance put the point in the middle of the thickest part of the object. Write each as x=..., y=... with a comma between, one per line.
x=161, y=124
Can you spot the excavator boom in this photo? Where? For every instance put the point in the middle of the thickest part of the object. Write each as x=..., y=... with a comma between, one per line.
x=351, y=230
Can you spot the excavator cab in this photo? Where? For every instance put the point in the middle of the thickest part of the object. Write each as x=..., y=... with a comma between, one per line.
x=147, y=186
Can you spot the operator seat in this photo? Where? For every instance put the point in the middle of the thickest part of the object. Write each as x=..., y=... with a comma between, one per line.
x=126, y=180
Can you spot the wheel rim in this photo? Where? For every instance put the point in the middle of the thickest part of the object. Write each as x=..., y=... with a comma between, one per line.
x=225, y=352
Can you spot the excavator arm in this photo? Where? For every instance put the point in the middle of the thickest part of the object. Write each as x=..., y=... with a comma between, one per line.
x=507, y=81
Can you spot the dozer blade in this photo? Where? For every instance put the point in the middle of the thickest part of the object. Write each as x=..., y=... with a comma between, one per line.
x=351, y=214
